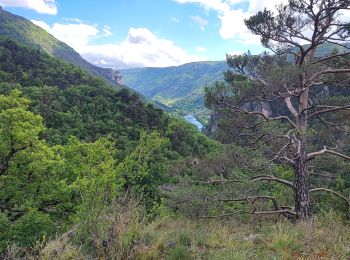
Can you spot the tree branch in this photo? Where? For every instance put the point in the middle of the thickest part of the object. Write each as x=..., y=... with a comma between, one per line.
x=268, y=212
x=330, y=109
x=333, y=192
x=326, y=150
x=267, y=177
x=331, y=57
x=213, y=181
x=261, y=114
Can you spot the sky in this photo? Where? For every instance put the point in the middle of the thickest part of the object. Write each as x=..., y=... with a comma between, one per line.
x=146, y=33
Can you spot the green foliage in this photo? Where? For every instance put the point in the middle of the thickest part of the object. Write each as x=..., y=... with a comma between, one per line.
x=43, y=187
x=5, y=225
x=32, y=227
x=177, y=238
x=72, y=103
x=68, y=154
x=187, y=141
x=144, y=168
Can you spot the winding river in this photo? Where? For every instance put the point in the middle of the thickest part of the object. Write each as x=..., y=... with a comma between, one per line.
x=193, y=120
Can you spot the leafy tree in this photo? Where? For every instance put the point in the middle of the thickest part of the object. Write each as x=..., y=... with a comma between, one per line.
x=145, y=168
x=279, y=101
x=43, y=188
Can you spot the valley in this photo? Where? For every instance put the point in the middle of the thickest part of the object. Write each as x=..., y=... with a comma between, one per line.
x=178, y=158
x=181, y=88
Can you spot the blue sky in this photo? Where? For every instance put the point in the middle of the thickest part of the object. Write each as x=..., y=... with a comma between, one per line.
x=138, y=33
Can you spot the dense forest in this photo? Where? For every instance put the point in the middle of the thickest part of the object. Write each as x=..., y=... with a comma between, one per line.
x=93, y=171
x=70, y=141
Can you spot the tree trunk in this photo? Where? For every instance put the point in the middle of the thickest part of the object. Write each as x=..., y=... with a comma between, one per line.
x=301, y=189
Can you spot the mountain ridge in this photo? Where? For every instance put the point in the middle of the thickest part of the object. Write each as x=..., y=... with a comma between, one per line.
x=179, y=87
x=24, y=31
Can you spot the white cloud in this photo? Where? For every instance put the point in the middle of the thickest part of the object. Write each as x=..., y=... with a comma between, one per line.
x=175, y=20
x=40, y=6
x=259, y=5
x=200, y=21
x=76, y=20
x=76, y=35
x=216, y=5
x=232, y=19
x=239, y=31
x=140, y=48
x=201, y=49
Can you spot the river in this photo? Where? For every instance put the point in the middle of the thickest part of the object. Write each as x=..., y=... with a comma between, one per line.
x=193, y=120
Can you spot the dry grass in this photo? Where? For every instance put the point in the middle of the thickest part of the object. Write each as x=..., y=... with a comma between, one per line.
x=177, y=238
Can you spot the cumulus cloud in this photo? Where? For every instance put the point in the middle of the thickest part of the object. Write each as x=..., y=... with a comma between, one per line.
x=40, y=6
x=140, y=48
x=232, y=19
x=76, y=35
x=239, y=31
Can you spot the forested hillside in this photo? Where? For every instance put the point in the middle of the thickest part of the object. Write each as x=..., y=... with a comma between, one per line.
x=22, y=30
x=181, y=88
x=64, y=136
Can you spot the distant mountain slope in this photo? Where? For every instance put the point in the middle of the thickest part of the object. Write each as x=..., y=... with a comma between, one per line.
x=179, y=87
x=25, y=32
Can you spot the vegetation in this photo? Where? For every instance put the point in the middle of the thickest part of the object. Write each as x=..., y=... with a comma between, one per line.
x=22, y=30
x=71, y=146
x=295, y=79
x=91, y=172
x=186, y=82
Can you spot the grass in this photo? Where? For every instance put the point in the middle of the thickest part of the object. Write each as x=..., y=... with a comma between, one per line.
x=179, y=238
x=322, y=239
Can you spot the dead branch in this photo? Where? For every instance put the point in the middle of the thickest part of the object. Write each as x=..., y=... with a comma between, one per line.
x=326, y=150
x=213, y=181
x=330, y=109
x=333, y=192
x=267, y=177
x=268, y=212
x=240, y=110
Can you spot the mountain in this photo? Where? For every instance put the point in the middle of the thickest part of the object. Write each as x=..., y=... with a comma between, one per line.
x=179, y=87
x=72, y=102
x=22, y=30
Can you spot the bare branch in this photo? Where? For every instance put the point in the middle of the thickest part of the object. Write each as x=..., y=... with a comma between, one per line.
x=268, y=212
x=333, y=192
x=331, y=57
x=267, y=177
x=261, y=114
x=326, y=150
x=212, y=181
x=291, y=107
x=253, y=199
x=330, y=109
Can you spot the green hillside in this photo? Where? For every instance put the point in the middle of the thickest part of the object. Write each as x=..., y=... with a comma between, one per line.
x=180, y=87
x=72, y=102
x=24, y=31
